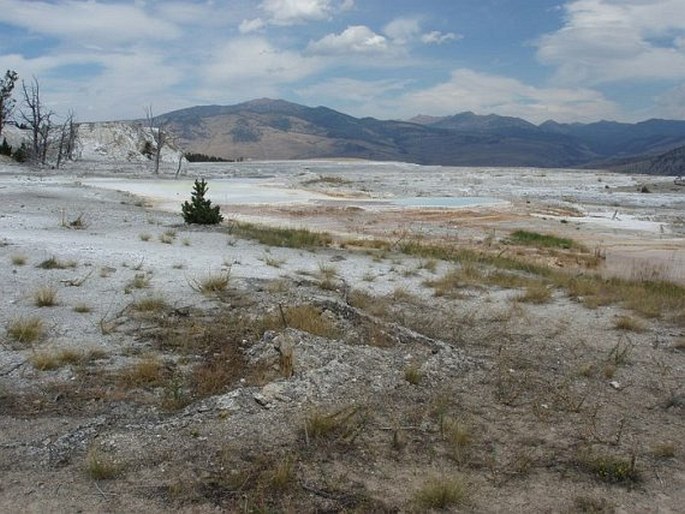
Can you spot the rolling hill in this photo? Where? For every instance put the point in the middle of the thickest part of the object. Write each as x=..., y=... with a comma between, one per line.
x=276, y=129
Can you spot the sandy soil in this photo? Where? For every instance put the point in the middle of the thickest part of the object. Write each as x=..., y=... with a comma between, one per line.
x=514, y=398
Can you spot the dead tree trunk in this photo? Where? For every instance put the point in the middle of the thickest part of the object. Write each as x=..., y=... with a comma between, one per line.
x=38, y=120
x=67, y=138
x=158, y=137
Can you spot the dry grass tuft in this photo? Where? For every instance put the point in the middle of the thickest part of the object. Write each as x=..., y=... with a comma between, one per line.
x=441, y=493
x=45, y=297
x=168, y=237
x=211, y=284
x=466, y=275
x=458, y=438
x=609, y=468
x=282, y=477
x=145, y=236
x=537, y=293
x=82, y=308
x=629, y=324
x=53, y=359
x=139, y=281
x=305, y=317
x=151, y=304
x=342, y=425
x=148, y=372
x=100, y=466
x=18, y=259
x=54, y=263
x=25, y=330
x=413, y=374
x=592, y=505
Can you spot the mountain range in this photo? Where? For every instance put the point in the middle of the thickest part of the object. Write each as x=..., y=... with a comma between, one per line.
x=276, y=129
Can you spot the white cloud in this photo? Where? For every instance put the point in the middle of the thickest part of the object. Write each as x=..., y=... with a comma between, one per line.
x=438, y=38
x=613, y=40
x=87, y=22
x=247, y=26
x=402, y=30
x=468, y=90
x=120, y=86
x=292, y=12
x=354, y=39
x=251, y=66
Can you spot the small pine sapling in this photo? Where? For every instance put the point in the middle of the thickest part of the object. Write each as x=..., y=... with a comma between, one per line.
x=200, y=210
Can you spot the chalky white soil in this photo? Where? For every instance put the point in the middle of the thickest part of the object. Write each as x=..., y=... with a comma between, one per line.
x=125, y=211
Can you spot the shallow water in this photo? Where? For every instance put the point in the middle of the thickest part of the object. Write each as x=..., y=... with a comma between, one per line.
x=255, y=191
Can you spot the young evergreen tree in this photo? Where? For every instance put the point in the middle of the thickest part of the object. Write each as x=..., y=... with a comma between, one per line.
x=200, y=210
x=5, y=148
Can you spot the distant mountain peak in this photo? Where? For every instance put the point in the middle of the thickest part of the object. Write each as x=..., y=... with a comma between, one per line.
x=267, y=128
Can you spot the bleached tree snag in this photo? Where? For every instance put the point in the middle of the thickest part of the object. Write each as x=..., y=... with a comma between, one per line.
x=38, y=121
x=158, y=135
x=67, y=138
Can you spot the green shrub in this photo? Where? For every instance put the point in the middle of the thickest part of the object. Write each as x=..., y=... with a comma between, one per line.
x=200, y=210
x=5, y=148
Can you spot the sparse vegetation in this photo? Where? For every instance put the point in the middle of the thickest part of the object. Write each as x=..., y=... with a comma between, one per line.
x=340, y=425
x=212, y=284
x=78, y=223
x=151, y=304
x=45, y=297
x=46, y=360
x=536, y=292
x=441, y=493
x=54, y=263
x=610, y=468
x=628, y=323
x=144, y=236
x=525, y=237
x=166, y=239
x=286, y=237
x=273, y=261
x=148, y=372
x=18, y=259
x=139, y=281
x=101, y=466
x=82, y=308
x=25, y=330
x=305, y=317
x=413, y=374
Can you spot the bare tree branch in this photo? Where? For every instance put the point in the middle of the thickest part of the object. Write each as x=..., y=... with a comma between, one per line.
x=37, y=119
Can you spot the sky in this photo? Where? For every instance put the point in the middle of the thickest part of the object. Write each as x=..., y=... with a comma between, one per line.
x=567, y=60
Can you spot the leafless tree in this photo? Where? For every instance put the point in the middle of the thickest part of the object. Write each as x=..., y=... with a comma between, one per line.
x=6, y=102
x=67, y=139
x=38, y=120
x=159, y=137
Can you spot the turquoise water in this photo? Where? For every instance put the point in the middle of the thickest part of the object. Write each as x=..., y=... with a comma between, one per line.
x=443, y=201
